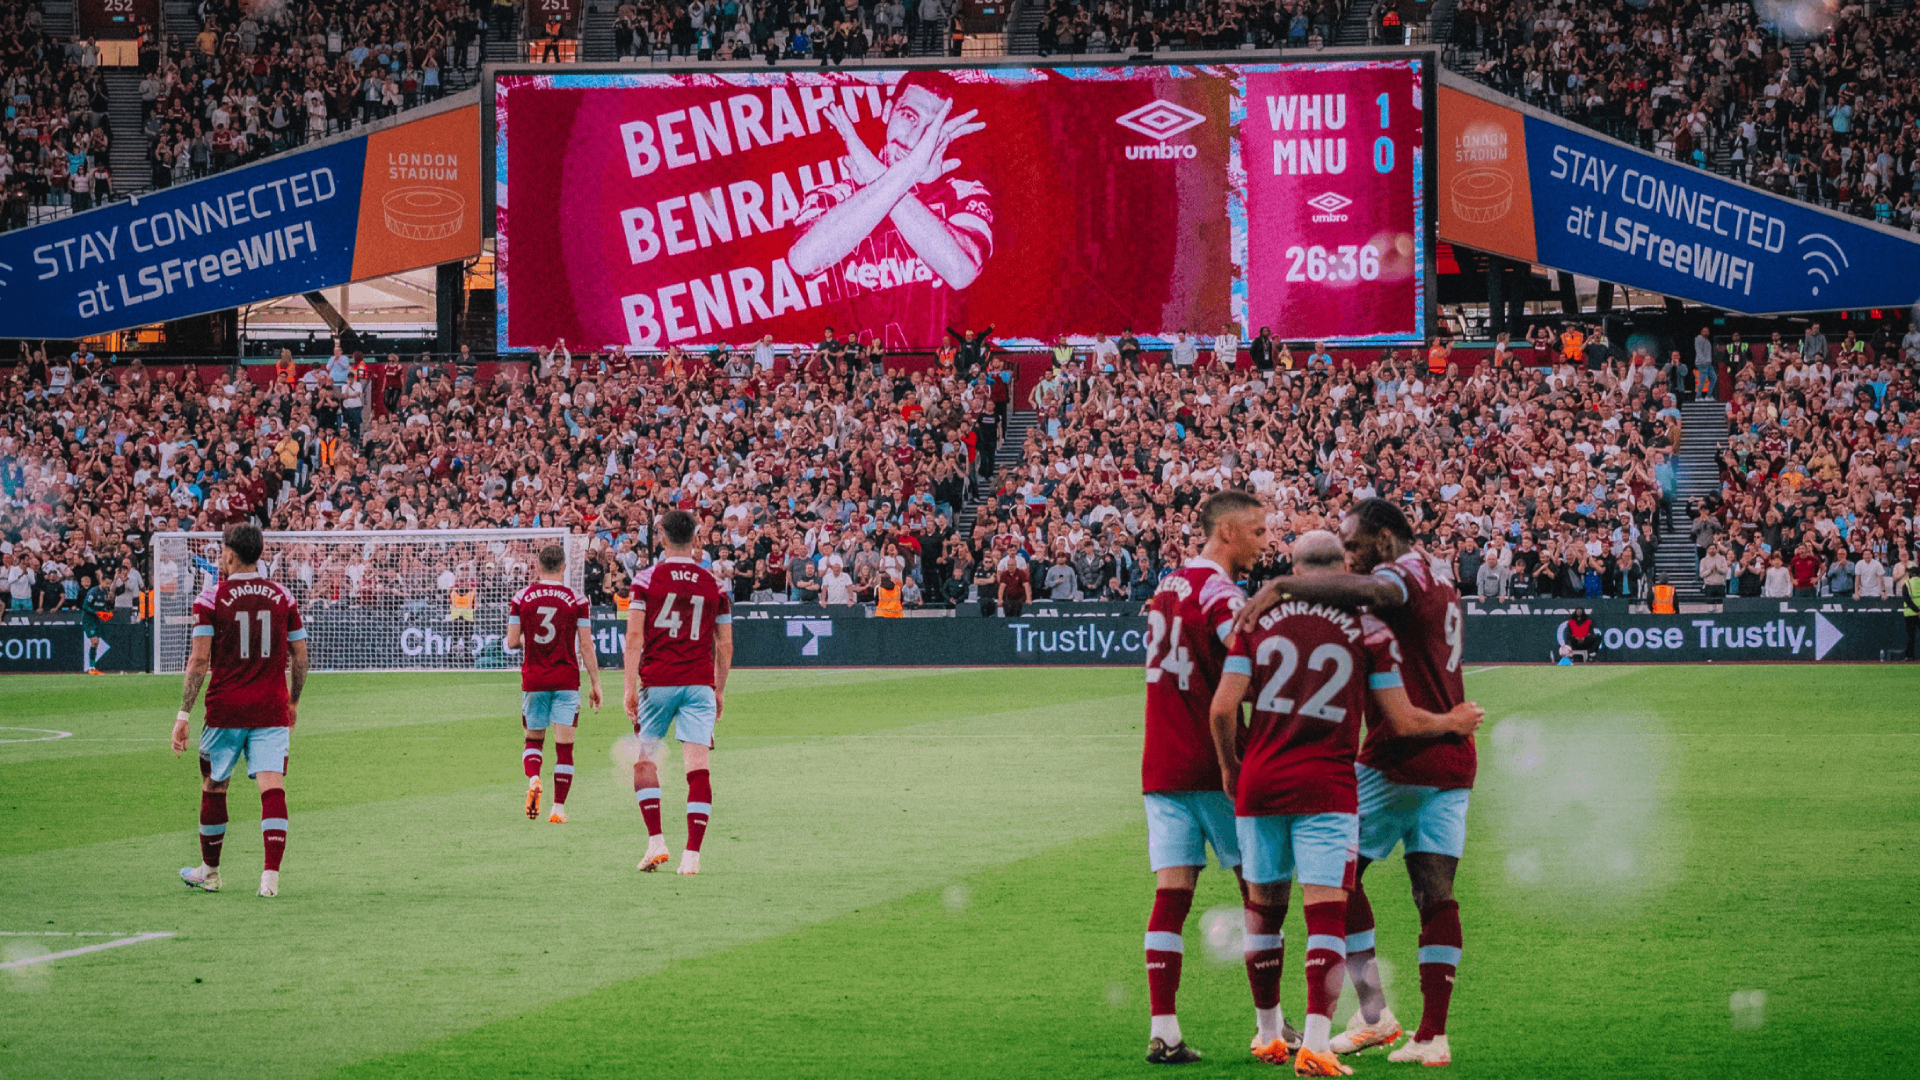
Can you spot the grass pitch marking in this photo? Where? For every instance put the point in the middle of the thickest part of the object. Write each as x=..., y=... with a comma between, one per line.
x=46, y=734
x=134, y=939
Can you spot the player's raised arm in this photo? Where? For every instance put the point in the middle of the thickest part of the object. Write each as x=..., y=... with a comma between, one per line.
x=1406, y=719
x=1336, y=590
x=199, y=663
x=1224, y=719
x=588, y=659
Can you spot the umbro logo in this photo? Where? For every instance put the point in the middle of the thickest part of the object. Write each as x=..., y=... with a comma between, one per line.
x=1329, y=204
x=1161, y=119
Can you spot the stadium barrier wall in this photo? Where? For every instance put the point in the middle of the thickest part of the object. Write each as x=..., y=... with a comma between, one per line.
x=46, y=647
x=1074, y=640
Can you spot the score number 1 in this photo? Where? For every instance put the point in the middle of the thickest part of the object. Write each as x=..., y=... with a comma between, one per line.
x=1382, y=146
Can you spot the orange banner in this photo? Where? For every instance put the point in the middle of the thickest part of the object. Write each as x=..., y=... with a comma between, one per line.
x=1485, y=198
x=420, y=199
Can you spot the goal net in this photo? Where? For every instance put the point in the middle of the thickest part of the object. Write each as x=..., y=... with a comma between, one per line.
x=420, y=600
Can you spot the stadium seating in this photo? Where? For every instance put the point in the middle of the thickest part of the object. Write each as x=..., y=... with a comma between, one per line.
x=1528, y=475
x=255, y=79
x=1818, y=105
x=54, y=136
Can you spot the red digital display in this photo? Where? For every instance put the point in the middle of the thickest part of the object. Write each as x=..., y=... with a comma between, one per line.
x=115, y=18
x=656, y=209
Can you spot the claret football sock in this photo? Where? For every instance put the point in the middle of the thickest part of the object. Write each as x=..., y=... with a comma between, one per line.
x=1326, y=961
x=649, y=799
x=1265, y=952
x=213, y=826
x=1164, y=949
x=562, y=771
x=699, y=806
x=1439, y=961
x=273, y=825
x=1361, y=967
x=530, y=757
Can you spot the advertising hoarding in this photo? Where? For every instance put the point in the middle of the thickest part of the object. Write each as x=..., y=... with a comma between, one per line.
x=1519, y=184
x=395, y=199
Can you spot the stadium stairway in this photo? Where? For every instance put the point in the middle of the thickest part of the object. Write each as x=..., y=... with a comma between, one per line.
x=1355, y=24
x=180, y=21
x=596, y=33
x=127, y=153
x=1012, y=448
x=505, y=48
x=1703, y=435
x=1023, y=37
x=56, y=18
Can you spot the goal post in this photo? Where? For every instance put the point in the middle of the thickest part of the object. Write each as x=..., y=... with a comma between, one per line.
x=372, y=600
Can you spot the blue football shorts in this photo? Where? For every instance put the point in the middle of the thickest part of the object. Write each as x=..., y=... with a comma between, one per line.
x=265, y=747
x=689, y=711
x=1180, y=825
x=1315, y=849
x=538, y=708
x=1428, y=819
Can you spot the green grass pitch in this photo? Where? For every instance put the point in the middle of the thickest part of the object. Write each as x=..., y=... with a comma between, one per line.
x=939, y=873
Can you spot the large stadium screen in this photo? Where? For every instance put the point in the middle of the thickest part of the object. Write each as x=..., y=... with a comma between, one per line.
x=694, y=208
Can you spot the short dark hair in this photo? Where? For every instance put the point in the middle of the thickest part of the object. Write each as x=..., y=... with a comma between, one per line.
x=245, y=542
x=1222, y=503
x=1379, y=515
x=677, y=526
x=552, y=557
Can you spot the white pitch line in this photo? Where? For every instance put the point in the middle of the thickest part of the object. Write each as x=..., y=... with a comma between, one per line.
x=49, y=734
x=1481, y=670
x=76, y=933
x=114, y=944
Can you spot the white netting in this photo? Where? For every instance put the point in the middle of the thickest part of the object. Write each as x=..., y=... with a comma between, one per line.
x=426, y=600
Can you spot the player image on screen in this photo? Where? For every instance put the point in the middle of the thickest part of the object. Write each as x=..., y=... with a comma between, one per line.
x=1413, y=789
x=250, y=652
x=1188, y=619
x=679, y=650
x=550, y=620
x=1308, y=670
x=902, y=197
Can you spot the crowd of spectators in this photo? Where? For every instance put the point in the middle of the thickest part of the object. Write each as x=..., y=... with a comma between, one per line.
x=1829, y=120
x=830, y=31
x=265, y=75
x=1820, y=476
x=1084, y=26
x=54, y=135
x=821, y=476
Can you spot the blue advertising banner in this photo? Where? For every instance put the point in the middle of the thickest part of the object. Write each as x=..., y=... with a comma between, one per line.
x=1520, y=183
x=1623, y=215
x=284, y=226
x=398, y=197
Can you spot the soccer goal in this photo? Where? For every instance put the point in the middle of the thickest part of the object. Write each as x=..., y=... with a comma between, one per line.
x=418, y=600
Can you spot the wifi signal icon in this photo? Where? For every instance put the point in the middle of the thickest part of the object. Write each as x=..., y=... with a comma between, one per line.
x=1817, y=254
x=3, y=281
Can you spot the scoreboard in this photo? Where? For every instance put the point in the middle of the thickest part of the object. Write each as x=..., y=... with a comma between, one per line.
x=699, y=206
x=115, y=18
